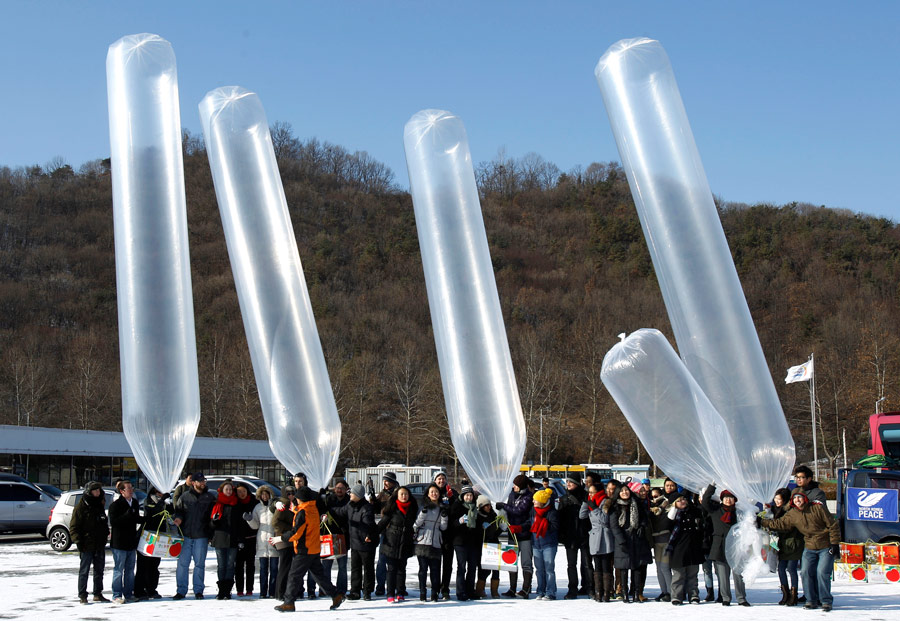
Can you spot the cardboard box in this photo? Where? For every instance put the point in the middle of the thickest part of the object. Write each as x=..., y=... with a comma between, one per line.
x=333, y=546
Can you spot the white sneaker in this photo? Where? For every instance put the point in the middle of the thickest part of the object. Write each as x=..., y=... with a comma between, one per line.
x=119, y=600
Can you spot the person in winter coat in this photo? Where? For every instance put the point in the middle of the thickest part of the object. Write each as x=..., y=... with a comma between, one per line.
x=396, y=531
x=629, y=525
x=821, y=538
x=156, y=511
x=261, y=521
x=448, y=497
x=282, y=521
x=600, y=542
x=545, y=540
x=304, y=537
x=430, y=523
x=803, y=476
x=790, y=549
x=338, y=498
x=660, y=530
x=723, y=516
x=360, y=516
x=245, y=561
x=192, y=515
x=708, y=565
x=466, y=539
x=124, y=520
x=685, y=550
x=89, y=530
x=226, y=521
x=380, y=502
x=518, y=508
x=573, y=534
x=490, y=527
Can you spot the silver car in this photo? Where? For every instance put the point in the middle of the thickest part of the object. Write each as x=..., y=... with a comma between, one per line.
x=24, y=507
x=57, y=530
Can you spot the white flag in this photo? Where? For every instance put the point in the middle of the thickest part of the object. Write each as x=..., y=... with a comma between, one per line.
x=800, y=373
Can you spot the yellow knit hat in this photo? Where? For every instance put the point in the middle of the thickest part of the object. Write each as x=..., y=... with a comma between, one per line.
x=543, y=496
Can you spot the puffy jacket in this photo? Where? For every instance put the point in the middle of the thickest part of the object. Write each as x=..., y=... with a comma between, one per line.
x=360, y=517
x=155, y=510
x=573, y=529
x=397, y=528
x=304, y=532
x=815, y=494
x=632, y=547
x=551, y=538
x=262, y=520
x=338, y=524
x=815, y=522
x=227, y=526
x=491, y=534
x=194, y=510
x=685, y=546
x=125, y=520
x=89, y=526
x=600, y=538
x=431, y=520
x=246, y=532
x=720, y=528
x=282, y=520
x=518, y=511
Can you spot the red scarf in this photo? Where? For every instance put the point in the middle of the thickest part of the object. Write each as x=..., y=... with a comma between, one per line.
x=727, y=515
x=403, y=506
x=245, y=500
x=222, y=500
x=595, y=500
x=541, y=524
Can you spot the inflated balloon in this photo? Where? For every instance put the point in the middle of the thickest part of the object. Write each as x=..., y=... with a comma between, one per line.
x=483, y=409
x=157, y=346
x=706, y=305
x=291, y=376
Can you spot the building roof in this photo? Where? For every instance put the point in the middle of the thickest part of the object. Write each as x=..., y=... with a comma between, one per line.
x=78, y=442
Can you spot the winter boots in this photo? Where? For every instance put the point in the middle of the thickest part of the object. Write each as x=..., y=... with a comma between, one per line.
x=513, y=579
x=608, y=586
x=495, y=588
x=792, y=597
x=598, y=586
x=479, y=590
x=785, y=596
x=526, y=585
x=224, y=589
x=621, y=594
x=710, y=595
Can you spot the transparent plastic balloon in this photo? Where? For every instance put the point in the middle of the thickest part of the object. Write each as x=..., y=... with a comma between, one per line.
x=291, y=376
x=480, y=393
x=157, y=345
x=710, y=319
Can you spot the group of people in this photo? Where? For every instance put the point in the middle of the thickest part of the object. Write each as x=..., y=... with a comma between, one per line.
x=610, y=531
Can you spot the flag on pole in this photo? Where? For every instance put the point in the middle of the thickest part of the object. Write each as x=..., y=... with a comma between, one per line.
x=800, y=373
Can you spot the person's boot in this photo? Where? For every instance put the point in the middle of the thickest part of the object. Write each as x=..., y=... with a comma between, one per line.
x=639, y=587
x=792, y=597
x=526, y=585
x=785, y=596
x=284, y=607
x=619, y=591
x=495, y=588
x=710, y=595
x=220, y=594
x=598, y=587
x=336, y=601
x=479, y=589
x=608, y=586
x=513, y=580
x=228, y=585
x=627, y=595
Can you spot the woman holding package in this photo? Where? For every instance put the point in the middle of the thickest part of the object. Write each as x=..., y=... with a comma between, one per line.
x=790, y=549
x=723, y=516
x=430, y=524
x=519, y=507
x=629, y=525
x=466, y=539
x=489, y=527
x=600, y=542
x=226, y=521
x=685, y=549
x=397, y=524
x=260, y=520
x=146, y=578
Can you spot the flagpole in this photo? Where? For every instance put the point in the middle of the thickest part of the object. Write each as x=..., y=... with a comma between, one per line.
x=812, y=407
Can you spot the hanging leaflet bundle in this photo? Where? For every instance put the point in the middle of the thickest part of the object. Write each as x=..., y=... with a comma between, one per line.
x=480, y=393
x=157, y=346
x=291, y=376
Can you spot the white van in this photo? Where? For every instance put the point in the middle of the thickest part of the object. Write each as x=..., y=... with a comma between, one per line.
x=24, y=507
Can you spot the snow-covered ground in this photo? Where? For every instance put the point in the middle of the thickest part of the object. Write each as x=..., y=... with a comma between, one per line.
x=37, y=582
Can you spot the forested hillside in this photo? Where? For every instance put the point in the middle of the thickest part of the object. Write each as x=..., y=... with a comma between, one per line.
x=572, y=269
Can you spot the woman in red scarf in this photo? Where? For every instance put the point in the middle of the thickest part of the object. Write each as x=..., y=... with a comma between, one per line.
x=397, y=524
x=545, y=537
x=723, y=516
x=226, y=521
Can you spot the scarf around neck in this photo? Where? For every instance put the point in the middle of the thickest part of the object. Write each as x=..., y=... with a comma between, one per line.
x=541, y=523
x=471, y=514
x=628, y=514
x=595, y=499
x=403, y=506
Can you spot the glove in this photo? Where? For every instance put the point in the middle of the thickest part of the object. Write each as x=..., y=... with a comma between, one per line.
x=168, y=500
x=247, y=516
x=464, y=519
x=424, y=509
x=501, y=506
x=274, y=540
x=443, y=513
x=369, y=497
x=835, y=550
x=279, y=505
x=485, y=525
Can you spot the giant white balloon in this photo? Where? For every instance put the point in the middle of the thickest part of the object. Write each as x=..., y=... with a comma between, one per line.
x=291, y=376
x=712, y=324
x=480, y=394
x=157, y=346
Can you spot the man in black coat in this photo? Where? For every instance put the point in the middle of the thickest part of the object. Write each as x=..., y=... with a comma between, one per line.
x=360, y=516
x=90, y=529
x=146, y=575
x=338, y=526
x=573, y=534
x=389, y=483
x=192, y=515
x=125, y=520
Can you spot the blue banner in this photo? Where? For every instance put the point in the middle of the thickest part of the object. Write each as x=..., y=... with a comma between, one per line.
x=872, y=505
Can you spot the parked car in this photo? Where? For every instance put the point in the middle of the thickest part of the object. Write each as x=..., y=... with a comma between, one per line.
x=24, y=507
x=50, y=490
x=57, y=527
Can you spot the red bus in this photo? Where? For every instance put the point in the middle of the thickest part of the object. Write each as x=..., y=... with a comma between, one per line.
x=884, y=434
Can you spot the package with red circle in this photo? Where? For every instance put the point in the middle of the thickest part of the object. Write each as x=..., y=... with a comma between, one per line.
x=160, y=543
x=498, y=556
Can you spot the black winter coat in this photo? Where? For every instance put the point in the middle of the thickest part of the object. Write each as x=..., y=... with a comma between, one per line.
x=154, y=510
x=338, y=525
x=685, y=546
x=124, y=519
x=632, y=547
x=397, y=528
x=360, y=517
x=227, y=528
x=89, y=526
x=573, y=531
x=491, y=534
x=246, y=534
x=720, y=529
x=462, y=534
x=194, y=510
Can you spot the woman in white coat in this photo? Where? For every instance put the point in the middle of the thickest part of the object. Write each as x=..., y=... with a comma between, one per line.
x=261, y=519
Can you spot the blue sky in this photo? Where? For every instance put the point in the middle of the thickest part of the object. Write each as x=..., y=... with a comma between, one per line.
x=788, y=101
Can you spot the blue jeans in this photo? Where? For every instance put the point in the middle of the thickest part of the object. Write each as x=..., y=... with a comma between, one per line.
x=225, y=560
x=341, y=582
x=268, y=573
x=191, y=549
x=123, y=573
x=817, y=565
x=545, y=570
x=785, y=568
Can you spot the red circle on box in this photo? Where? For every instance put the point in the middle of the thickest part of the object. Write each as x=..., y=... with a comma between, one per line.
x=174, y=549
x=509, y=557
x=858, y=573
x=892, y=575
